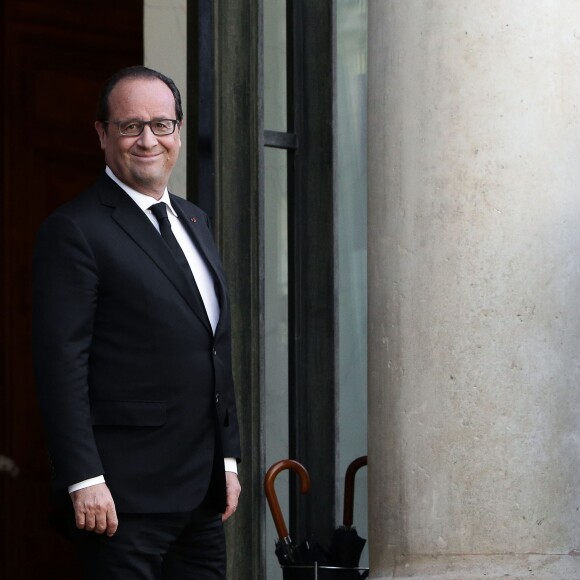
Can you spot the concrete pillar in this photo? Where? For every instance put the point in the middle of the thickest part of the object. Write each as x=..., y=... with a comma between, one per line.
x=165, y=50
x=474, y=289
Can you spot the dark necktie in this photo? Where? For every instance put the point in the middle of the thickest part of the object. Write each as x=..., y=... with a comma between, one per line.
x=159, y=210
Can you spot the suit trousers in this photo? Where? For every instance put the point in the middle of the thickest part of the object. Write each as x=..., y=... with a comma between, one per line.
x=176, y=546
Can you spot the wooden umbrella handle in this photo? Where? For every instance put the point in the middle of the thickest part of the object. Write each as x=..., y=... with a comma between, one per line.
x=271, y=496
x=349, y=490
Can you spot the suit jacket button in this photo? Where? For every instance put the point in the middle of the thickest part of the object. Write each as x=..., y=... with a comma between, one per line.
x=217, y=398
x=214, y=351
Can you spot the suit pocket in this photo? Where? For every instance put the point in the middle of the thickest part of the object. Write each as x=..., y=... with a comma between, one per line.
x=130, y=413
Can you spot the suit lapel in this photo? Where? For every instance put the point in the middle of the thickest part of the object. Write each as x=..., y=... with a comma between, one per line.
x=133, y=221
x=195, y=224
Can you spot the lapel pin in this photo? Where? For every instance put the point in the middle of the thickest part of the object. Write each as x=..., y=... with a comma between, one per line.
x=193, y=219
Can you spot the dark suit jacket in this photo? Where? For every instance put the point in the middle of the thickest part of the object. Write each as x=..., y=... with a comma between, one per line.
x=132, y=383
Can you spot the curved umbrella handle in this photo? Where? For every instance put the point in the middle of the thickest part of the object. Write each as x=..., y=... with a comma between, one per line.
x=349, y=489
x=271, y=496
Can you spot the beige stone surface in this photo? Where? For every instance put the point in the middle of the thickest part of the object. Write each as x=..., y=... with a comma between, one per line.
x=474, y=283
x=165, y=50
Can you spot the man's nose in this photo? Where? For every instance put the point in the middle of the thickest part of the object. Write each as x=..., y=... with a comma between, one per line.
x=147, y=137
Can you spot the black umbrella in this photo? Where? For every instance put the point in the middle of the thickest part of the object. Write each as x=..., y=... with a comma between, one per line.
x=346, y=546
x=299, y=562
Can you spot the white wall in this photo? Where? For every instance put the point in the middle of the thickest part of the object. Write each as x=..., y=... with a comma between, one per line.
x=165, y=50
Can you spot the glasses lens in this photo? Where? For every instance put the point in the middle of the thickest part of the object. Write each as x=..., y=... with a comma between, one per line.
x=162, y=126
x=131, y=128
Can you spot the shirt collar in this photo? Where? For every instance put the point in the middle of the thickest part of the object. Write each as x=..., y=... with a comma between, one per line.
x=142, y=200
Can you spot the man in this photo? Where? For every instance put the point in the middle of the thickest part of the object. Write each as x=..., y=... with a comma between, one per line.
x=132, y=354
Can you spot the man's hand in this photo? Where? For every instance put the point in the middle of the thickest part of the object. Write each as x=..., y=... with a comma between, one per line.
x=95, y=509
x=233, y=490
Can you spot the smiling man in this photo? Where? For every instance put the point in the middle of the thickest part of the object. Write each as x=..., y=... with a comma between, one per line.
x=132, y=348
x=141, y=159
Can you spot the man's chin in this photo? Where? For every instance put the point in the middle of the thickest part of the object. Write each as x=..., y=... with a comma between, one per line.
x=148, y=181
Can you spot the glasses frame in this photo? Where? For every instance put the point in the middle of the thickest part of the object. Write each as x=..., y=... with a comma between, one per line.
x=144, y=123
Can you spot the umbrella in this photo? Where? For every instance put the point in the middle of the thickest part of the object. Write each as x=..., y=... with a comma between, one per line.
x=347, y=546
x=298, y=562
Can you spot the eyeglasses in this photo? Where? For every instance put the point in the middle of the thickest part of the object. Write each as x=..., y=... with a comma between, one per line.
x=134, y=128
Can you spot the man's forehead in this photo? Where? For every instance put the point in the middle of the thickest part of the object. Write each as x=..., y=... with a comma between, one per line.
x=131, y=92
x=138, y=85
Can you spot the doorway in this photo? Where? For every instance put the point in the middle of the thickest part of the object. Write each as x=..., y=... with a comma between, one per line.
x=55, y=58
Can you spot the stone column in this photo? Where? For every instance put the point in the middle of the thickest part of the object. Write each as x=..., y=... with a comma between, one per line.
x=474, y=289
x=165, y=49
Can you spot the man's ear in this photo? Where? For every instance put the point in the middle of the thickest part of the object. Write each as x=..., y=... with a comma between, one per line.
x=102, y=133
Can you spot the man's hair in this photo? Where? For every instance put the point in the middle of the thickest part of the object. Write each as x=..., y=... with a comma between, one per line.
x=134, y=72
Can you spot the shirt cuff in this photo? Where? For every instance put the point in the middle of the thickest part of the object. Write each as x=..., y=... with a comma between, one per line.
x=231, y=464
x=86, y=483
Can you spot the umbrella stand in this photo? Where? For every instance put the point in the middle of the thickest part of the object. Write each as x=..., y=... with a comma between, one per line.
x=307, y=561
x=319, y=572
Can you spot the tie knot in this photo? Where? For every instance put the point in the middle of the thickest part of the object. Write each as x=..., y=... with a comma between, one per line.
x=159, y=210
